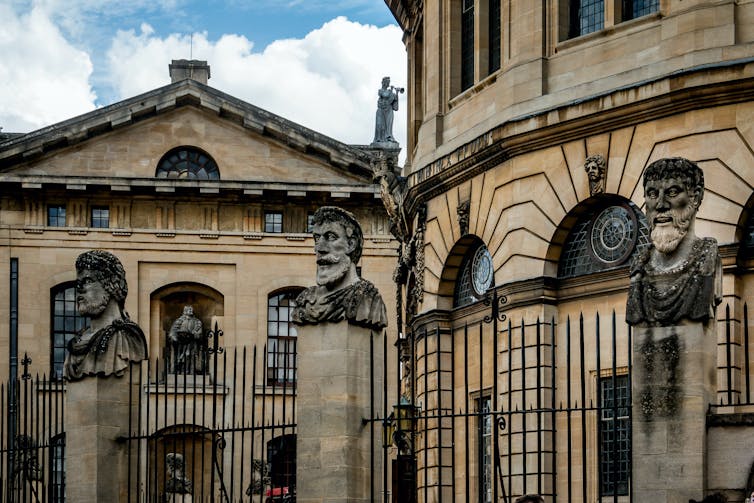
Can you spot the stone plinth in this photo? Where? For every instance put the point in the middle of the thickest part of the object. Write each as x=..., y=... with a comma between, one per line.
x=674, y=381
x=333, y=395
x=96, y=413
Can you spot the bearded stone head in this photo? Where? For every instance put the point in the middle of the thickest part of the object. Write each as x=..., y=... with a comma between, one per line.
x=673, y=191
x=338, y=242
x=100, y=279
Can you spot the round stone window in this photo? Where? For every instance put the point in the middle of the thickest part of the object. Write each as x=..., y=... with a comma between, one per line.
x=613, y=234
x=481, y=271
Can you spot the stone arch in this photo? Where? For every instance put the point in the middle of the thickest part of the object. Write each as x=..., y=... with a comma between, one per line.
x=452, y=269
x=590, y=209
x=167, y=302
x=744, y=234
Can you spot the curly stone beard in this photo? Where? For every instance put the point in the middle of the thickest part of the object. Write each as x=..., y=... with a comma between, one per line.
x=92, y=308
x=331, y=269
x=666, y=238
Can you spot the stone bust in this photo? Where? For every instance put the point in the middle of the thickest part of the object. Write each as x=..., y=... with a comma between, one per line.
x=186, y=342
x=340, y=294
x=113, y=341
x=678, y=277
x=595, y=168
x=177, y=482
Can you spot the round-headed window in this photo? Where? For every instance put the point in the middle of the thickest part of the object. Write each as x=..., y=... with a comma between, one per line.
x=476, y=277
x=187, y=163
x=603, y=239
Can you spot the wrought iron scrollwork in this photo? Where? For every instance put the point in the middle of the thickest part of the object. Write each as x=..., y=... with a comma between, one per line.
x=215, y=336
x=219, y=444
x=496, y=302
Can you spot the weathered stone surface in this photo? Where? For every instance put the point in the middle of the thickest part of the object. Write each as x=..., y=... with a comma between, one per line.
x=97, y=412
x=333, y=445
x=673, y=384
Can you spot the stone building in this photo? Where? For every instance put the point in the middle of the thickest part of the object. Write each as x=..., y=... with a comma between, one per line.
x=206, y=200
x=529, y=127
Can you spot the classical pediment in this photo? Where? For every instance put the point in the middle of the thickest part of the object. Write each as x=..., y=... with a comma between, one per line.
x=122, y=144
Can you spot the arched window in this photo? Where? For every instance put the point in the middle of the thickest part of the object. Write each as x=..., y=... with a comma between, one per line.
x=281, y=338
x=281, y=460
x=604, y=238
x=65, y=324
x=189, y=163
x=476, y=277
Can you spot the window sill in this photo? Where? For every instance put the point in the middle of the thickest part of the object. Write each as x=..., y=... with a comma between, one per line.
x=265, y=390
x=622, y=27
x=473, y=90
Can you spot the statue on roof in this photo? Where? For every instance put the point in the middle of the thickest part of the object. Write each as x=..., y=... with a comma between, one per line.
x=387, y=105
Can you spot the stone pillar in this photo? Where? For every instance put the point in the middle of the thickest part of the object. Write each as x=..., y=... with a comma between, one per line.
x=97, y=412
x=674, y=381
x=340, y=382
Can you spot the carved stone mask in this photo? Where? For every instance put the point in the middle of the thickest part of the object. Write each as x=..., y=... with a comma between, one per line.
x=671, y=210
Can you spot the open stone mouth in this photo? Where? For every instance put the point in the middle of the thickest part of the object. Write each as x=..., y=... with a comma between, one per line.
x=663, y=219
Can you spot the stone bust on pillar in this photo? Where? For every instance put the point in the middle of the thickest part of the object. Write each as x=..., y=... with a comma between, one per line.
x=679, y=276
x=113, y=341
x=340, y=294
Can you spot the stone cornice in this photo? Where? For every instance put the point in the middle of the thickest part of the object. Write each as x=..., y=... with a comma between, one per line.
x=680, y=92
x=24, y=148
x=163, y=185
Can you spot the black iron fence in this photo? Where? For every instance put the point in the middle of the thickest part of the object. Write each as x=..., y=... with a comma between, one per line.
x=224, y=435
x=32, y=439
x=537, y=406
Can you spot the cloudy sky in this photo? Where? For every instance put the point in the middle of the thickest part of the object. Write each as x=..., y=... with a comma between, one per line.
x=316, y=62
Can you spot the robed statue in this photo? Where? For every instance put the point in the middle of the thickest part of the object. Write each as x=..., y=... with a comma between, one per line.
x=387, y=105
x=187, y=344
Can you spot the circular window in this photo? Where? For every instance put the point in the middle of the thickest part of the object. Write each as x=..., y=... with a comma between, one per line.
x=613, y=234
x=481, y=270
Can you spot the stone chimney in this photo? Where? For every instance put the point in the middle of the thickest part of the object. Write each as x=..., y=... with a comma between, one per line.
x=194, y=69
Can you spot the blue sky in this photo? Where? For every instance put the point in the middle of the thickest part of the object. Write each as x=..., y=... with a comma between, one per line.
x=317, y=62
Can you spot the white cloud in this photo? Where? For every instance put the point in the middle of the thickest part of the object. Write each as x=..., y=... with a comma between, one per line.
x=43, y=78
x=326, y=81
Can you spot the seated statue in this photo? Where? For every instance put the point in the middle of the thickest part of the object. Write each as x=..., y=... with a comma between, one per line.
x=113, y=341
x=679, y=276
x=186, y=341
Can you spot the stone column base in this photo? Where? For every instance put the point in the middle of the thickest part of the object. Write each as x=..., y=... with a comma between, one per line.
x=333, y=395
x=97, y=411
x=674, y=381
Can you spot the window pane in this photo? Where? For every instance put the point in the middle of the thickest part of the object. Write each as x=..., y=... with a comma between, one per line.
x=494, y=56
x=467, y=44
x=615, y=435
x=281, y=355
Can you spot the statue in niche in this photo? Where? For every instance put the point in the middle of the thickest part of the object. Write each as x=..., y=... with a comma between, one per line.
x=596, y=167
x=113, y=341
x=187, y=344
x=387, y=105
x=340, y=294
x=679, y=276
x=177, y=482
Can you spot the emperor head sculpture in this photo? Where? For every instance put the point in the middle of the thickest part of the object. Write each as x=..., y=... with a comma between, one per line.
x=340, y=293
x=678, y=277
x=595, y=168
x=113, y=341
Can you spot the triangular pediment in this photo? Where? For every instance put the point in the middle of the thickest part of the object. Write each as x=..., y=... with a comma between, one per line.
x=127, y=140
